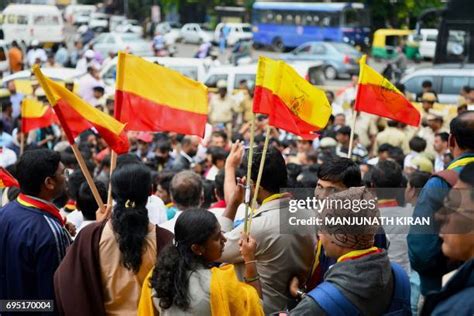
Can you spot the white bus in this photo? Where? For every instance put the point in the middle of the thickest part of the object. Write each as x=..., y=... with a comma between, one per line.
x=30, y=22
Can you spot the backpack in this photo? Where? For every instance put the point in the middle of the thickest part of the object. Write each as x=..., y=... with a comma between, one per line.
x=335, y=303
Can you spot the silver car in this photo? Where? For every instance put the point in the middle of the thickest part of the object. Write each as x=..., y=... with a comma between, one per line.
x=115, y=42
x=338, y=58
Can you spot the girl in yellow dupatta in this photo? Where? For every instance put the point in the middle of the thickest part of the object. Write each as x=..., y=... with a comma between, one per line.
x=183, y=282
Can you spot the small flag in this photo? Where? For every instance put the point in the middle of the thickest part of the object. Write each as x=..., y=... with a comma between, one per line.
x=150, y=97
x=36, y=115
x=7, y=180
x=77, y=116
x=377, y=95
x=291, y=102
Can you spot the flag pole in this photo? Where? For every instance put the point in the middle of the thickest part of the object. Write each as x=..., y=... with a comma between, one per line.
x=22, y=143
x=351, y=140
x=113, y=164
x=75, y=149
x=87, y=175
x=260, y=171
x=249, y=172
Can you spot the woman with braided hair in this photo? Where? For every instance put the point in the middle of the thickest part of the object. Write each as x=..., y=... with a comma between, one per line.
x=109, y=260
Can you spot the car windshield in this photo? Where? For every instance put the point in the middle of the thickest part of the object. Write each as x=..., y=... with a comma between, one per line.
x=247, y=29
x=130, y=37
x=344, y=48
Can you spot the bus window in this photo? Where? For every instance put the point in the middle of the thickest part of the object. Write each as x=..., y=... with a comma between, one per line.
x=278, y=19
x=298, y=19
x=289, y=19
x=350, y=18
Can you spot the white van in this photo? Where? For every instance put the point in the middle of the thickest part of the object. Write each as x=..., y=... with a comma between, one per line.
x=29, y=22
x=427, y=40
x=236, y=32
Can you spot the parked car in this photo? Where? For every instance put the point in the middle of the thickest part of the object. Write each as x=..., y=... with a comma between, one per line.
x=235, y=32
x=129, y=26
x=447, y=81
x=28, y=22
x=234, y=75
x=427, y=42
x=170, y=33
x=116, y=20
x=115, y=42
x=99, y=22
x=194, y=33
x=191, y=67
x=338, y=58
x=82, y=18
x=23, y=78
x=73, y=10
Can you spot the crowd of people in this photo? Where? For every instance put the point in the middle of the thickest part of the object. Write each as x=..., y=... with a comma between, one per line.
x=173, y=241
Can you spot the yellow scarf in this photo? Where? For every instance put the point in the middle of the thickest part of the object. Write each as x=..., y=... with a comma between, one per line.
x=229, y=296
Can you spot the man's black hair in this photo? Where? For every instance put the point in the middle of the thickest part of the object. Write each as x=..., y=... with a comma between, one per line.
x=75, y=180
x=417, y=144
x=427, y=84
x=418, y=179
x=85, y=199
x=341, y=170
x=307, y=179
x=208, y=191
x=274, y=176
x=217, y=153
x=345, y=130
x=219, y=184
x=396, y=153
x=220, y=134
x=462, y=129
x=127, y=159
x=384, y=147
x=387, y=174
x=164, y=180
x=443, y=135
x=164, y=146
x=34, y=167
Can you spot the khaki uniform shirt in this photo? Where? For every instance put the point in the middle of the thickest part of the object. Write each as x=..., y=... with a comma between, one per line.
x=280, y=255
x=394, y=137
x=221, y=110
x=365, y=127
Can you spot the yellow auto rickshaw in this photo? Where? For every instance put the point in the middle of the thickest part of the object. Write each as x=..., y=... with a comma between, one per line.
x=386, y=41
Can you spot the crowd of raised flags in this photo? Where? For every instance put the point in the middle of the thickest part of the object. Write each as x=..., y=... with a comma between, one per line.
x=148, y=269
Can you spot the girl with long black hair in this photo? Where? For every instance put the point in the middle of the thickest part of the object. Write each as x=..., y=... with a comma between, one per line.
x=114, y=256
x=184, y=281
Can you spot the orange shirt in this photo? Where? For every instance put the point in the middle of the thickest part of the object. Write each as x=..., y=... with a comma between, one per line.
x=16, y=59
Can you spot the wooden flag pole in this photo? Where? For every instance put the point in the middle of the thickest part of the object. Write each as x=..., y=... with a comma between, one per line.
x=249, y=172
x=22, y=143
x=260, y=171
x=113, y=164
x=88, y=176
x=351, y=140
x=75, y=149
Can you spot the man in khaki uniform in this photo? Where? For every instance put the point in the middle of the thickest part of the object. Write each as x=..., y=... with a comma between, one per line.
x=392, y=135
x=428, y=133
x=366, y=128
x=222, y=106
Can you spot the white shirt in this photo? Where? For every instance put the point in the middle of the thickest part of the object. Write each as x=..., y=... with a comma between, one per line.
x=439, y=163
x=7, y=157
x=212, y=173
x=76, y=218
x=169, y=225
x=86, y=86
x=34, y=54
x=156, y=210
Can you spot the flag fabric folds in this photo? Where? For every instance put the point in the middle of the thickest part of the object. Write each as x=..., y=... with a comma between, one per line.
x=7, y=180
x=291, y=102
x=377, y=95
x=76, y=115
x=36, y=115
x=150, y=97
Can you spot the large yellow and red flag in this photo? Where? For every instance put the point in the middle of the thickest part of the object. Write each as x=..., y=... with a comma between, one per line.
x=150, y=97
x=36, y=115
x=7, y=180
x=291, y=102
x=77, y=116
x=379, y=96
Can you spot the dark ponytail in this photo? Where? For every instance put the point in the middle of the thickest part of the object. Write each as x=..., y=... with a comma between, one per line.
x=131, y=187
x=171, y=275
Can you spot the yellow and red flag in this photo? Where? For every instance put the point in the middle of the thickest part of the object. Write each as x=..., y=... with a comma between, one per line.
x=291, y=102
x=377, y=95
x=36, y=115
x=77, y=116
x=150, y=97
x=7, y=180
